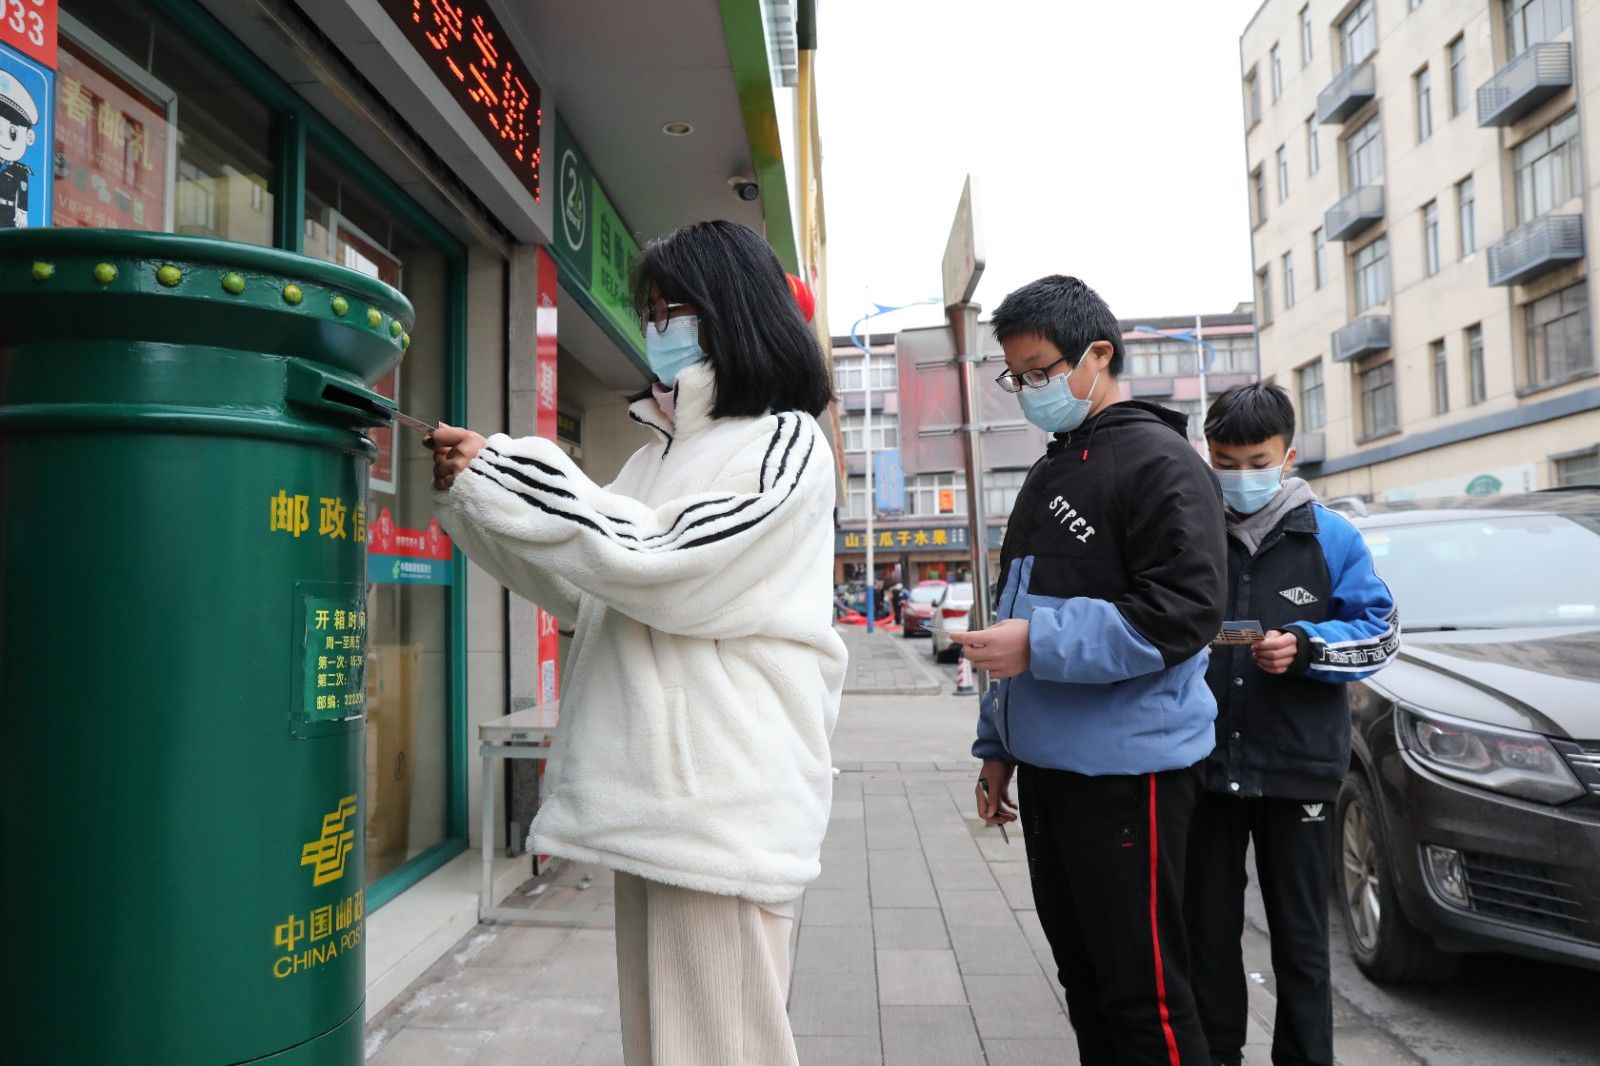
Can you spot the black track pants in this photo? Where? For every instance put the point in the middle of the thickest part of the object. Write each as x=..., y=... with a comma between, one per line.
x=1106, y=856
x=1294, y=855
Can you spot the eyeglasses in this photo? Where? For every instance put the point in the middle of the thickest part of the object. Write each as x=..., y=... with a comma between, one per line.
x=1037, y=378
x=658, y=313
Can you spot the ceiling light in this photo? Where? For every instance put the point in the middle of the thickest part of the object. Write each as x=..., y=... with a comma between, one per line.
x=677, y=129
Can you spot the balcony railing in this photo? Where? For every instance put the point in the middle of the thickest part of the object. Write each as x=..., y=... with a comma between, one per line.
x=1360, y=337
x=1524, y=83
x=1346, y=93
x=1361, y=207
x=1536, y=248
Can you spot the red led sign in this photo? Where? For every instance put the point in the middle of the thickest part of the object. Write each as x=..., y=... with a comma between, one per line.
x=465, y=46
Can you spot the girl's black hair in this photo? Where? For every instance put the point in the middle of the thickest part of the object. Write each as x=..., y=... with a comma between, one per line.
x=1251, y=414
x=764, y=356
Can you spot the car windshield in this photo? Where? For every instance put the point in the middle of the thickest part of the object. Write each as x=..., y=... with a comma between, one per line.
x=926, y=593
x=1492, y=572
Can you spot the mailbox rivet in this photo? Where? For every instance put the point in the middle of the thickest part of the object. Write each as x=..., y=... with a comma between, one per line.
x=105, y=273
x=233, y=283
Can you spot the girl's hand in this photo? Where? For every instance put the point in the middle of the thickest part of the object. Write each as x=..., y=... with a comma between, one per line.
x=453, y=449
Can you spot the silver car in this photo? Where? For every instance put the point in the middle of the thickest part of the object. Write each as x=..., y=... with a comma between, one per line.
x=952, y=613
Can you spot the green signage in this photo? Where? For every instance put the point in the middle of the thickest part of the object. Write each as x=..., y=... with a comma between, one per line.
x=335, y=658
x=1484, y=485
x=592, y=244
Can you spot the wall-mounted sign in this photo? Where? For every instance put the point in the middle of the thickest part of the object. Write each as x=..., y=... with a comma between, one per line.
x=464, y=44
x=27, y=111
x=29, y=26
x=399, y=556
x=911, y=539
x=594, y=246
x=114, y=142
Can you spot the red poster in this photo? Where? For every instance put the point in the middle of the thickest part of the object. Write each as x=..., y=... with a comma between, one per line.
x=111, y=147
x=545, y=426
x=29, y=26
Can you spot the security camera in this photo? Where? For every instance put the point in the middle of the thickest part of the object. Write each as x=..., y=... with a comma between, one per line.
x=744, y=188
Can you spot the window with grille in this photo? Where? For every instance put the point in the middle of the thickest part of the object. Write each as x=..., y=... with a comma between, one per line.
x=1358, y=34
x=1460, y=90
x=1364, y=154
x=1557, y=336
x=1549, y=168
x=1531, y=22
x=1477, y=386
x=1582, y=468
x=1430, y=238
x=1379, y=413
x=1467, y=216
x=1422, y=83
x=1371, y=268
x=1439, y=367
x=1313, y=397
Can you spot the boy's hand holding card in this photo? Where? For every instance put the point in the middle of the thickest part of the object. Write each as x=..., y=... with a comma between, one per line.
x=1239, y=633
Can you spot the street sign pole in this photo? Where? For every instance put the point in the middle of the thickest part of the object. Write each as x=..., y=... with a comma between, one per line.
x=866, y=428
x=962, y=267
x=964, y=320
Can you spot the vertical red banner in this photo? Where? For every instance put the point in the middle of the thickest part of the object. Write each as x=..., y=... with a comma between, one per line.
x=545, y=426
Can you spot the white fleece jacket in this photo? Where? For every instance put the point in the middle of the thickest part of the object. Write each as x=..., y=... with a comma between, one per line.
x=705, y=674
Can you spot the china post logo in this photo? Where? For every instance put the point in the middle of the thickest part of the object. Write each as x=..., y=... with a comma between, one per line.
x=327, y=854
x=574, y=204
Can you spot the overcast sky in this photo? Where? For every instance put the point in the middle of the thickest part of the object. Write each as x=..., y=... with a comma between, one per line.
x=1106, y=137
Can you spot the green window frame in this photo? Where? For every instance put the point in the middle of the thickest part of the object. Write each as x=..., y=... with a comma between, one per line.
x=295, y=125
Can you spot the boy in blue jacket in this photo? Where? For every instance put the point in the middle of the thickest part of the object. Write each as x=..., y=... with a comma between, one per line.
x=1283, y=730
x=1112, y=588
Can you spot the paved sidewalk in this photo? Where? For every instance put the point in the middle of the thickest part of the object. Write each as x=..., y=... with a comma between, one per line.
x=886, y=664
x=919, y=945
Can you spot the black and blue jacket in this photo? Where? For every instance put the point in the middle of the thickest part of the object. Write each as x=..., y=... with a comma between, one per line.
x=1288, y=735
x=1114, y=554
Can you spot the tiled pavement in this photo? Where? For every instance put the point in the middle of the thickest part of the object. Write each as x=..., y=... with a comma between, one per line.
x=885, y=664
x=918, y=946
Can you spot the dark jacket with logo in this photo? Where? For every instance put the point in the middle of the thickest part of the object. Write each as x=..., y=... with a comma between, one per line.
x=1288, y=735
x=1114, y=554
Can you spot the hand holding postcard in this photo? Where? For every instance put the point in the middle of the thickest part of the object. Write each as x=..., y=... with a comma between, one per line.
x=1245, y=632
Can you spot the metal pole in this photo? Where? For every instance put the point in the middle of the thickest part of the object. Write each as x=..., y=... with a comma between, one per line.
x=964, y=320
x=1200, y=362
x=866, y=422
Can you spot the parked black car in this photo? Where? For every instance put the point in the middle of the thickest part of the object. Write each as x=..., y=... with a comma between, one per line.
x=1470, y=818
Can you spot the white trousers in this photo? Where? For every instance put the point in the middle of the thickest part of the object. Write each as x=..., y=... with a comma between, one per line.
x=704, y=978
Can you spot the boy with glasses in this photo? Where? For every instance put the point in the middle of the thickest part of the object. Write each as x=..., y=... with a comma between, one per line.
x=1112, y=588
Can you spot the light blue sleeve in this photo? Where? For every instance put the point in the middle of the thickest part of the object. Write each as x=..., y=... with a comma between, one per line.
x=1363, y=633
x=1087, y=642
x=988, y=745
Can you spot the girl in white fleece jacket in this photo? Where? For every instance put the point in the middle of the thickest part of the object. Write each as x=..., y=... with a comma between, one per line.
x=705, y=673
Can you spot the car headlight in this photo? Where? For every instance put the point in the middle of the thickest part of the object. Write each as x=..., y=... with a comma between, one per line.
x=1504, y=760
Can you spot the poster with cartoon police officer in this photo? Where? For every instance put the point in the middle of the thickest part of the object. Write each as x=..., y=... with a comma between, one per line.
x=27, y=110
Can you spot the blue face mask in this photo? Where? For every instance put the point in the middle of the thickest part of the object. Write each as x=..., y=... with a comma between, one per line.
x=1247, y=491
x=670, y=352
x=1053, y=407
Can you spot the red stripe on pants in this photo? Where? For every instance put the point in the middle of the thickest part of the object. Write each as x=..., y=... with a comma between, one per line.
x=1155, y=935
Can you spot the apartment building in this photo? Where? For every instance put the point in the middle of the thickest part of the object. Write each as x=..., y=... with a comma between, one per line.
x=1421, y=176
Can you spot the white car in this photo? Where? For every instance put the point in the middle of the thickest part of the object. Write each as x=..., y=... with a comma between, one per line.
x=952, y=613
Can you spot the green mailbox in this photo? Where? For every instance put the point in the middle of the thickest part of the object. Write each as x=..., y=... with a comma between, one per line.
x=183, y=475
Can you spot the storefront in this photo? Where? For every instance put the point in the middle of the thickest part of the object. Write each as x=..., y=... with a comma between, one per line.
x=481, y=160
